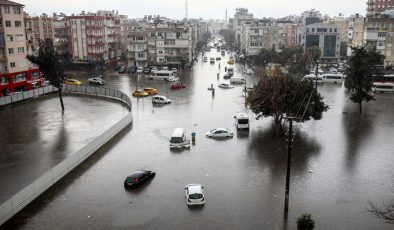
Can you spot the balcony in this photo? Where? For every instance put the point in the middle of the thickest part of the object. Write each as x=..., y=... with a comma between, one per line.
x=3, y=58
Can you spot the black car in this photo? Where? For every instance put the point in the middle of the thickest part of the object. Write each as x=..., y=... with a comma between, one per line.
x=122, y=70
x=146, y=70
x=138, y=177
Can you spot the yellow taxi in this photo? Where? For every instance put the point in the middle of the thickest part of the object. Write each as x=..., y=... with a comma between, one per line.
x=151, y=91
x=231, y=62
x=72, y=82
x=140, y=93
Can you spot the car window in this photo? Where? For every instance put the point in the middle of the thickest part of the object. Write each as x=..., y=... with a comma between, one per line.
x=195, y=196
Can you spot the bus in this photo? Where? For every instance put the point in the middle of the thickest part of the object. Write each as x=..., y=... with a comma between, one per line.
x=332, y=77
x=165, y=75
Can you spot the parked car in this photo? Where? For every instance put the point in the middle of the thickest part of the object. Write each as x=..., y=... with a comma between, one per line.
x=72, y=82
x=165, y=68
x=175, y=70
x=132, y=69
x=158, y=99
x=146, y=70
x=116, y=67
x=122, y=70
x=194, y=194
x=231, y=62
x=140, y=93
x=205, y=59
x=177, y=86
x=96, y=81
x=153, y=70
x=227, y=76
x=218, y=58
x=249, y=71
x=151, y=91
x=138, y=177
x=220, y=132
x=225, y=85
x=140, y=69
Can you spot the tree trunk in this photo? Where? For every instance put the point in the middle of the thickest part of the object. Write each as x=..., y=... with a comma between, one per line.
x=360, y=107
x=61, y=99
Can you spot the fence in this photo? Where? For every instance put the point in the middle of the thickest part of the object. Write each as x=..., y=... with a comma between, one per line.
x=18, y=201
x=26, y=95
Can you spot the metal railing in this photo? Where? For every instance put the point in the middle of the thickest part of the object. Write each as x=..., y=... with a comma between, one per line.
x=26, y=95
x=18, y=201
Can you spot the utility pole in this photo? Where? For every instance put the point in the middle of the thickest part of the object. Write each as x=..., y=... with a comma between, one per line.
x=317, y=71
x=289, y=146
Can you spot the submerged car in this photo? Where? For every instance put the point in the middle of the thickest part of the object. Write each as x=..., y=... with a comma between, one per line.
x=177, y=86
x=72, y=82
x=158, y=99
x=151, y=91
x=220, y=132
x=140, y=93
x=194, y=194
x=138, y=177
x=96, y=81
x=226, y=86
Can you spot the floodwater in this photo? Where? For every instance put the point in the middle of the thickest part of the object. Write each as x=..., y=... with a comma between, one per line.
x=35, y=136
x=338, y=164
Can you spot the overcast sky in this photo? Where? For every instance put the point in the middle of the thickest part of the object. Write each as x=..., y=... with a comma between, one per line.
x=206, y=9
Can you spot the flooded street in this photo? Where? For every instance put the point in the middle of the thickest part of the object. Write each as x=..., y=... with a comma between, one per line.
x=338, y=163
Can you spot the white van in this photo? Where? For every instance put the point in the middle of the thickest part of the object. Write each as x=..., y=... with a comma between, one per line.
x=332, y=77
x=241, y=121
x=163, y=75
x=312, y=78
x=237, y=80
x=178, y=139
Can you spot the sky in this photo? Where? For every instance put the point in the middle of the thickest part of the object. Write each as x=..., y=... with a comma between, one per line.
x=207, y=9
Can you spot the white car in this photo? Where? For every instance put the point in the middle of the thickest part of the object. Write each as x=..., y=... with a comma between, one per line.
x=140, y=69
x=154, y=70
x=220, y=132
x=174, y=70
x=194, y=194
x=249, y=71
x=158, y=99
x=96, y=81
x=226, y=86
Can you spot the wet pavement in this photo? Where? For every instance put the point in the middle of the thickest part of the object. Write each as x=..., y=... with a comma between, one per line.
x=35, y=136
x=338, y=164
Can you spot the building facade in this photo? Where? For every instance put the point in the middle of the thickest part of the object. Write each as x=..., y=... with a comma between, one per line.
x=16, y=72
x=378, y=6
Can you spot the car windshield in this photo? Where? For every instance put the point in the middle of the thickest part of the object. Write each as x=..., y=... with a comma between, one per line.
x=243, y=121
x=176, y=140
x=195, y=196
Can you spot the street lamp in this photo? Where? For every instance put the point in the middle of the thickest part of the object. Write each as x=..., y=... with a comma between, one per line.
x=317, y=71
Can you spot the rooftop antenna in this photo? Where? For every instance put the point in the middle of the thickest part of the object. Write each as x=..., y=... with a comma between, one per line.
x=226, y=17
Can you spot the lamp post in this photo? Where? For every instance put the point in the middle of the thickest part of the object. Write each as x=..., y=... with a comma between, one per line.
x=317, y=71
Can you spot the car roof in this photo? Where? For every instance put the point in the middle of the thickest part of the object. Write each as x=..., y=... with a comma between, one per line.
x=194, y=188
x=222, y=129
x=138, y=173
x=178, y=132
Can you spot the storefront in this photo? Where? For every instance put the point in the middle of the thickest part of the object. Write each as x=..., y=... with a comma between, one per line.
x=20, y=81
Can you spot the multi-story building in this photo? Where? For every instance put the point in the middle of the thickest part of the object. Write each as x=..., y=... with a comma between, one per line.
x=356, y=31
x=40, y=27
x=326, y=37
x=16, y=72
x=240, y=18
x=95, y=37
x=214, y=26
x=343, y=33
x=137, y=47
x=378, y=6
x=379, y=32
x=61, y=36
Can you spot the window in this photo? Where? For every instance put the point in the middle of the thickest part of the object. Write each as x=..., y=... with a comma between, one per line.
x=12, y=64
x=3, y=81
x=8, y=23
x=140, y=55
x=19, y=37
x=10, y=51
x=10, y=38
x=18, y=23
x=6, y=9
x=19, y=77
x=21, y=50
x=17, y=10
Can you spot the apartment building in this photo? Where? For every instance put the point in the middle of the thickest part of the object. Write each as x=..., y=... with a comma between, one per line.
x=16, y=72
x=61, y=36
x=240, y=18
x=378, y=6
x=137, y=47
x=379, y=32
x=355, y=31
x=39, y=28
x=342, y=24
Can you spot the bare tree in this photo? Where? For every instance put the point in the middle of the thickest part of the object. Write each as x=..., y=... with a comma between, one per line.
x=386, y=212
